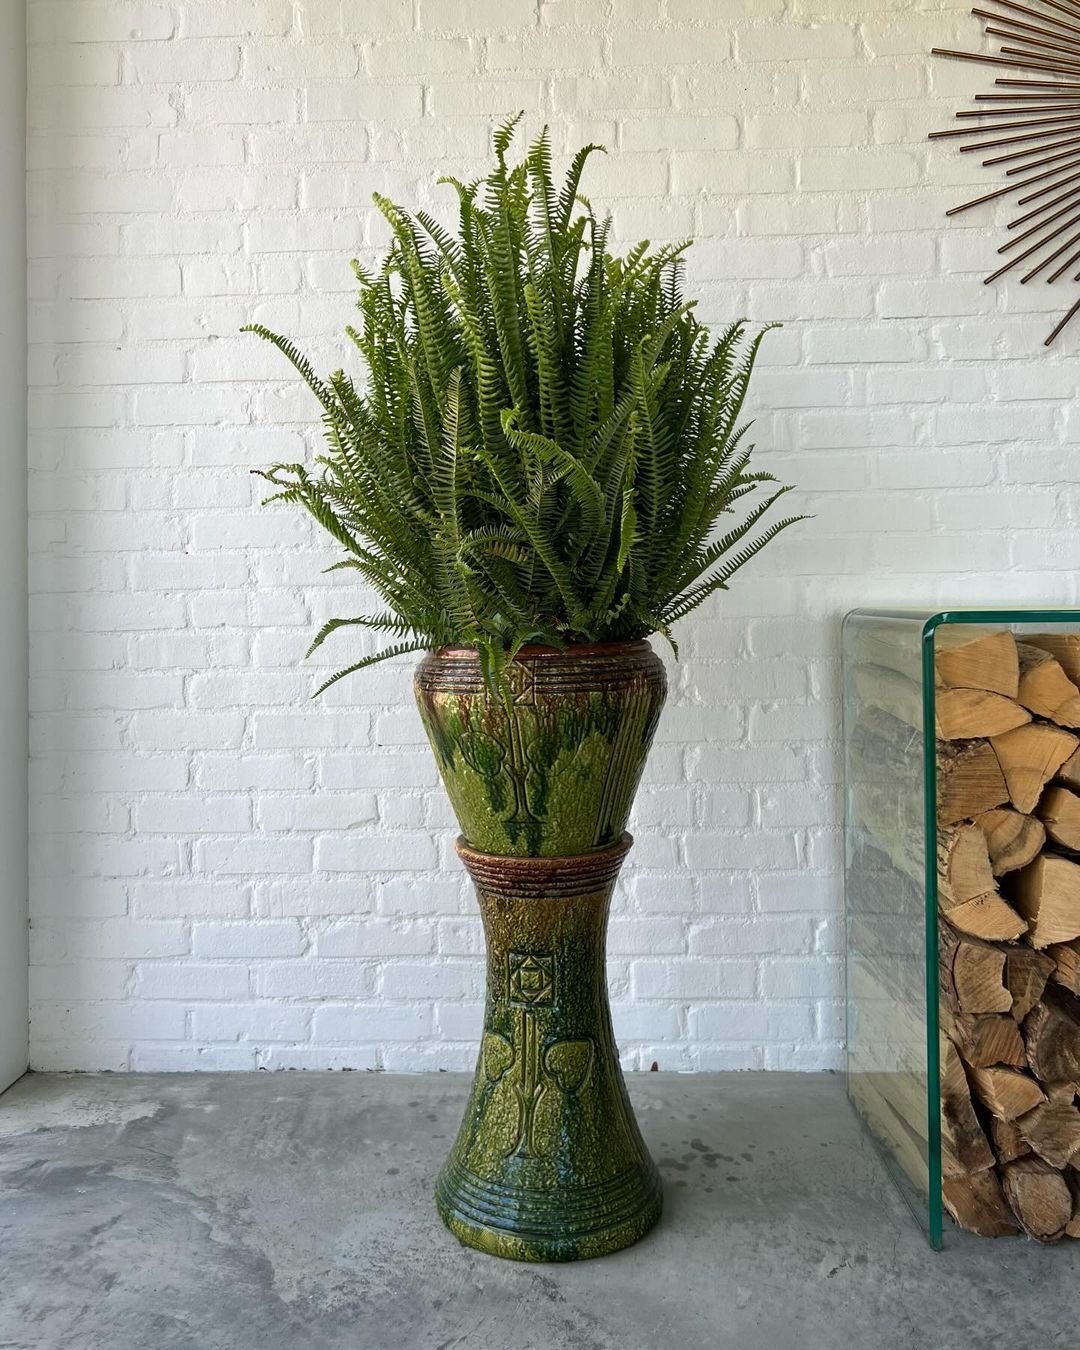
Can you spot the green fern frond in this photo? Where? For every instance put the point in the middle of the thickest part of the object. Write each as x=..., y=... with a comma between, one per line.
x=401, y=649
x=384, y=623
x=547, y=438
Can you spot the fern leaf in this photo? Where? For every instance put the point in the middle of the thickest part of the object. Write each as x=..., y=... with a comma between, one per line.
x=401, y=649
x=546, y=439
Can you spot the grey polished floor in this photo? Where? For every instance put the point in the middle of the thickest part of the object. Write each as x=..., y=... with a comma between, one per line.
x=293, y=1212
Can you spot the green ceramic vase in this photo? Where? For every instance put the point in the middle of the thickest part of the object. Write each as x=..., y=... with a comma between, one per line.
x=555, y=772
x=549, y=1164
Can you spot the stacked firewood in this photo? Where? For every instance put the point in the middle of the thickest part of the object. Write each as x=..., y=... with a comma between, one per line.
x=1008, y=728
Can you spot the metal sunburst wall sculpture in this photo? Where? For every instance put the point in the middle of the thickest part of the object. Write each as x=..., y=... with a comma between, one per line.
x=1031, y=124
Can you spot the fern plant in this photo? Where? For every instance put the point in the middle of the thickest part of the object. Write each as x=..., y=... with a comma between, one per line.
x=548, y=442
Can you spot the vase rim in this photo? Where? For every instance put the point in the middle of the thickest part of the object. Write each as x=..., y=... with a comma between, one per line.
x=541, y=650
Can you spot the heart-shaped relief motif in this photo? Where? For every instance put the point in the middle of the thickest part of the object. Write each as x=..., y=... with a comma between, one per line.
x=498, y=1055
x=568, y=1063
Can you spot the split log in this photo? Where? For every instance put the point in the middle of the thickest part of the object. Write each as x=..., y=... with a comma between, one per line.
x=1063, y=647
x=1053, y=1131
x=1066, y=957
x=1047, y=894
x=988, y=1040
x=1052, y=1037
x=1026, y=974
x=964, y=1146
x=964, y=869
x=1072, y=1229
x=1039, y=1197
x=989, y=917
x=1007, y=1140
x=1006, y=1093
x=962, y=714
x=1059, y=811
x=959, y=714
x=1029, y=757
x=1069, y=773
x=1045, y=689
x=972, y=974
x=1013, y=839
x=967, y=891
x=970, y=779
x=978, y=1204
x=969, y=658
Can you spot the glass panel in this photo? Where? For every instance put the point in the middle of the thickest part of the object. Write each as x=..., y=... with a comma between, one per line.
x=891, y=883
x=888, y=1072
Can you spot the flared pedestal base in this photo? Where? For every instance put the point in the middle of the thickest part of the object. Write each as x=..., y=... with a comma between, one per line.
x=549, y=1164
x=565, y=1223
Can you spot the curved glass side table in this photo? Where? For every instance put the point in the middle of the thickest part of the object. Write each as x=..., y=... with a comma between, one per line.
x=890, y=883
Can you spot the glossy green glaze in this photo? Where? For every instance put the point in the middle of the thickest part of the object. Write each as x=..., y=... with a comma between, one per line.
x=552, y=769
x=549, y=1164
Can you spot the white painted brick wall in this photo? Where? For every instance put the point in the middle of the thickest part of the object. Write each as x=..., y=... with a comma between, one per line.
x=228, y=875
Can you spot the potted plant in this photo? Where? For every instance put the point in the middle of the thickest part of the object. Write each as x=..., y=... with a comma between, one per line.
x=532, y=481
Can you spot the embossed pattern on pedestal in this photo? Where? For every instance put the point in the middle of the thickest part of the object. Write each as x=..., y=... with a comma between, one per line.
x=549, y=1164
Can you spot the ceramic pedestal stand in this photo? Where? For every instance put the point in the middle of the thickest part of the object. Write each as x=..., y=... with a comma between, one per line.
x=549, y=1164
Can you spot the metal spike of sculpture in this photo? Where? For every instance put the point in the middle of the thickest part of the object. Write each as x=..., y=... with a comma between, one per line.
x=1035, y=126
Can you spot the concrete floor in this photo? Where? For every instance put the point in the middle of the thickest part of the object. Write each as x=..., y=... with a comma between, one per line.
x=293, y=1212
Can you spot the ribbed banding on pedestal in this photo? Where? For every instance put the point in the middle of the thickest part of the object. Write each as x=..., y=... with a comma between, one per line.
x=547, y=878
x=554, y=1225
